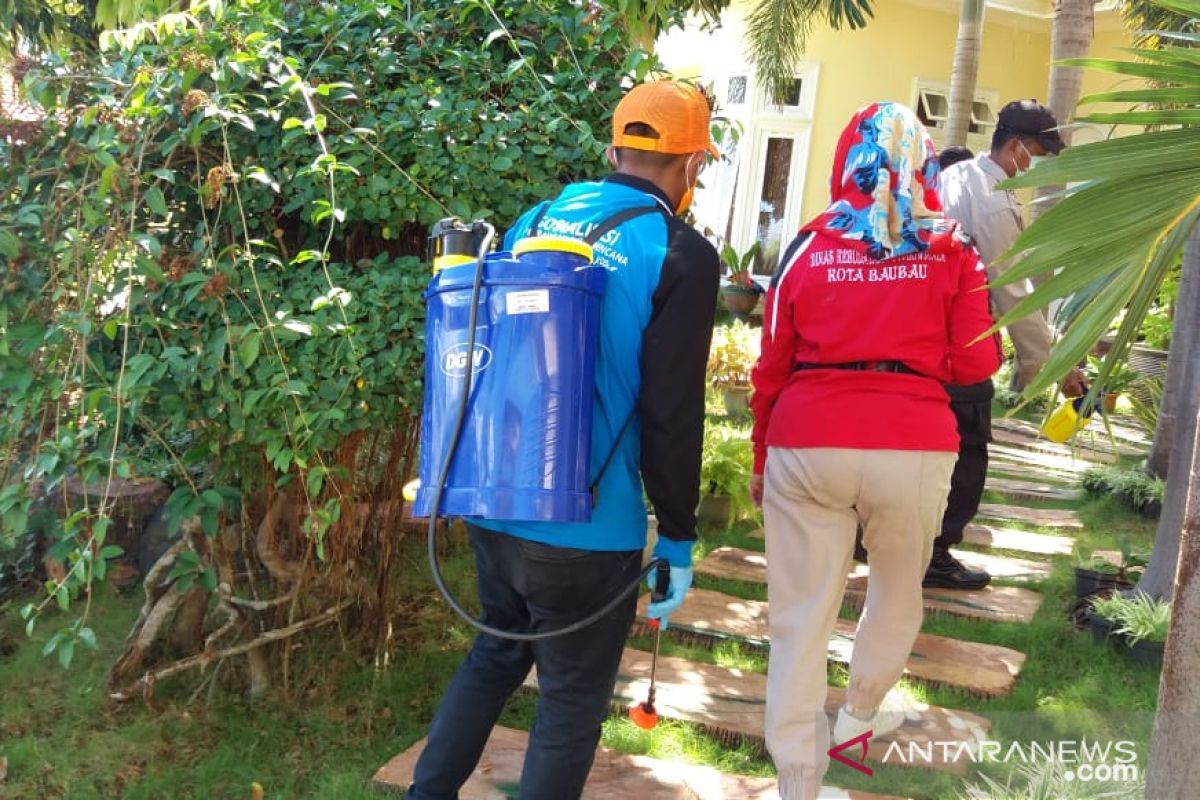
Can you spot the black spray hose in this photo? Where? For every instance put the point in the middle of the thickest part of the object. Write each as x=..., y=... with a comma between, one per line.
x=459, y=419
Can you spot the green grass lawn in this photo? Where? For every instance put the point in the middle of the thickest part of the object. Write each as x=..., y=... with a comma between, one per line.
x=343, y=717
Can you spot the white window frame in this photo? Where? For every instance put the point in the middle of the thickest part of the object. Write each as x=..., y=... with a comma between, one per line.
x=762, y=120
x=766, y=121
x=978, y=142
x=749, y=192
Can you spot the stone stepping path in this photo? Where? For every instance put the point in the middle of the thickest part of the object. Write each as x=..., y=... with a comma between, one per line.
x=1129, y=440
x=1007, y=568
x=983, y=669
x=1023, y=469
x=1030, y=489
x=751, y=566
x=1013, y=539
x=996, y=603
x=992, y=603
x=1027, y=442
x=1042, y=517
x=1004, y=457
x=1024, y=472
x=731, y=703
x=614, y=776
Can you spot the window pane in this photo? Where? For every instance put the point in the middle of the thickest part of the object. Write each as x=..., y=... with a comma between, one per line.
x=982, y=118
x=777, y=168
x=792, y=98
x=737, y=90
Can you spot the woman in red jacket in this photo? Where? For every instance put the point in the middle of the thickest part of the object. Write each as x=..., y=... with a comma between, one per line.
x=876, y=303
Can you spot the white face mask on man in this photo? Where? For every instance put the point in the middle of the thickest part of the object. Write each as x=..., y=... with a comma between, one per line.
x=1033, y=160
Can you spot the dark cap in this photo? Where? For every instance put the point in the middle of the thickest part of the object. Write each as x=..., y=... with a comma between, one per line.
x=1033, y=120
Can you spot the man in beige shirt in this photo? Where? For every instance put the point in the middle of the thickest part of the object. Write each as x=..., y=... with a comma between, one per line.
x=992, y=217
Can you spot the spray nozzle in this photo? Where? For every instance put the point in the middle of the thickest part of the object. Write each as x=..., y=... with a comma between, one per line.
x=644, y=716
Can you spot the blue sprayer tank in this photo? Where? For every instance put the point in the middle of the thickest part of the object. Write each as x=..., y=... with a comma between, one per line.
x=525, y=448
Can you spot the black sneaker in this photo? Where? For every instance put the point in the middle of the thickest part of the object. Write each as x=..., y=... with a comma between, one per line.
x=947, y=572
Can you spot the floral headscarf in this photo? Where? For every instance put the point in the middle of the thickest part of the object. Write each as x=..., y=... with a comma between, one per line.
x=884, y=187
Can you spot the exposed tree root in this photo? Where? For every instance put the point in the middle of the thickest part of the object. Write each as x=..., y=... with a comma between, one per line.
x=145, y=684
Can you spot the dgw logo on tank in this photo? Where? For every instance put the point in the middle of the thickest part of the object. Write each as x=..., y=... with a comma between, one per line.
x=454, y=361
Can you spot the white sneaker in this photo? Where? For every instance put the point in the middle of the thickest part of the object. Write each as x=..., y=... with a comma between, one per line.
x=847, y=726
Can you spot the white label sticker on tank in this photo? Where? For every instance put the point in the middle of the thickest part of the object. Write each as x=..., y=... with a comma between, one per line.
x=536, y=301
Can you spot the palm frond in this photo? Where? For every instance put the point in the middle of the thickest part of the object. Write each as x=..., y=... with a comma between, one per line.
x=1135, y=200
x=777, y=33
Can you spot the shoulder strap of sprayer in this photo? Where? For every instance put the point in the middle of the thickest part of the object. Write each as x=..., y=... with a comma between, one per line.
x=594, y=235
x=605, y=225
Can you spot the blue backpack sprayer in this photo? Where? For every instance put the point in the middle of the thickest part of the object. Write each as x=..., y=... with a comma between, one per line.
x=511, y=343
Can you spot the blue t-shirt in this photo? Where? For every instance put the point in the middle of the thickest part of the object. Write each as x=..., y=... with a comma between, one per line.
x=655, y=327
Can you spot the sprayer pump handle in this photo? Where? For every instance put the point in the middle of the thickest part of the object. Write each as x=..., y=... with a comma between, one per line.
x=662, y=582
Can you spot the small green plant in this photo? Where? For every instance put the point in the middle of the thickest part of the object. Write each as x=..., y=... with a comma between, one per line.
x=1119, y=379
x=1111, y=608
x=728, y=461
x=1131, y=562
x=1097, y=564
x=1134, y=484
x=732, y=355
x=740, y=265
x=1010, y=397
x=1138, y=617
x=1145, y=398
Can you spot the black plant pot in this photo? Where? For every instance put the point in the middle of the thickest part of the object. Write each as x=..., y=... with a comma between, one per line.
x=1145, y=652
x=1088, y=582
x=1101, y=629
x=1152, y=510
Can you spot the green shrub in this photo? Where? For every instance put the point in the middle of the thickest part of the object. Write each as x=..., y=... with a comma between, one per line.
x=726, y=466
x=1140, y=487
x=210, y=251
x=733, y=353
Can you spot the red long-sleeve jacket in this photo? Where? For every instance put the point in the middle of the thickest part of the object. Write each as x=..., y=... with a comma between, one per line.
x=831, y=304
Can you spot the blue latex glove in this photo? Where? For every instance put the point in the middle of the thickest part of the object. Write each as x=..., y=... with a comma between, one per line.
x=681, y=581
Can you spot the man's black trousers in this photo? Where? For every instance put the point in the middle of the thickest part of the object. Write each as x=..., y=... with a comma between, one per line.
x=972, y=407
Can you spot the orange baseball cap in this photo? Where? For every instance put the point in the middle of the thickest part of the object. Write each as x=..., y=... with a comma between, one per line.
x=676, y=111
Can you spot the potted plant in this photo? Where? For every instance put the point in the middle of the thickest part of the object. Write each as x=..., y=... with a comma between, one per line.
x=732, y=355
x=725, y=469
x=1096, y=575
x=740, y=291
x=1104, y=617
x=1133, y=487
x=1144, y=623
x=1139, y=621
x=1118, y=381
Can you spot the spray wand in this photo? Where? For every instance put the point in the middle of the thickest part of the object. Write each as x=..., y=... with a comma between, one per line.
x=645, y=715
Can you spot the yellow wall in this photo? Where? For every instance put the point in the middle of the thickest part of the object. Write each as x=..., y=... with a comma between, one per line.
x=902, y=43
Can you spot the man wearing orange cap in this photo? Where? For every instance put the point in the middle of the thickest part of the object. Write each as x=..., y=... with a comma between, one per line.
x=647, y=429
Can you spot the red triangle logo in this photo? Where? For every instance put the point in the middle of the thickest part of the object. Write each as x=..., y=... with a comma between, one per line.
x=836, y=753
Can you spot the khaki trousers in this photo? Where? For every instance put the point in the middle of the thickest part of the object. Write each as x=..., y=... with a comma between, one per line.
x=812, y=502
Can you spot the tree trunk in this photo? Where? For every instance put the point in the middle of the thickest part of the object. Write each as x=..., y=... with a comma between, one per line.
x=1071, y=37
x=1174, y=771
x=1158, y=580
x=965, y=71
x=1185, y=345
